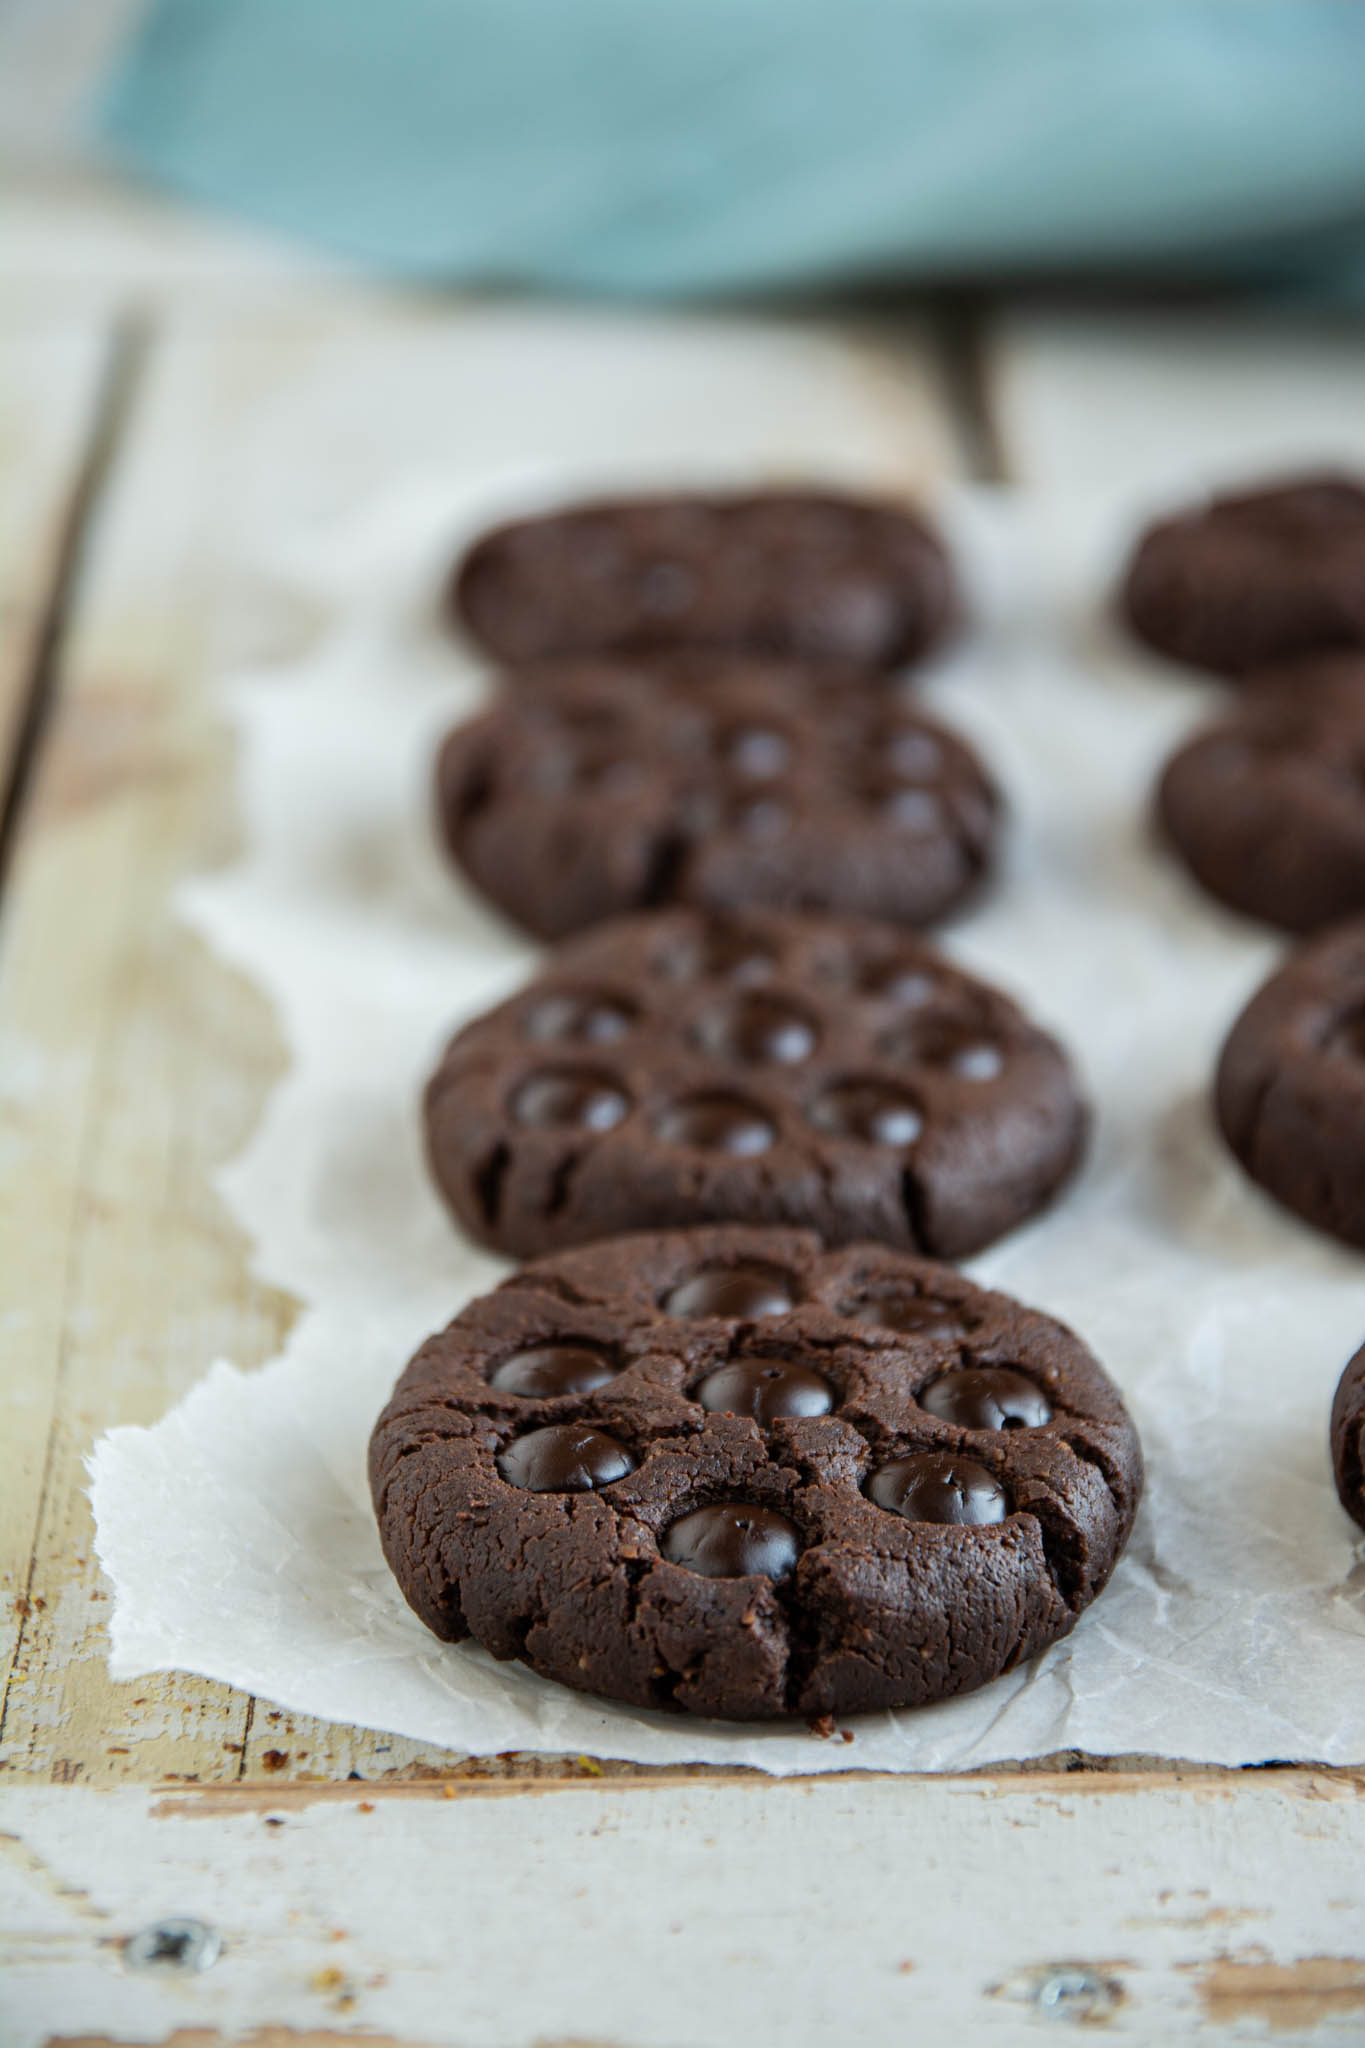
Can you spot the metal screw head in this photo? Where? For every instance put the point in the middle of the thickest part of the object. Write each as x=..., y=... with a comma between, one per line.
x=1077, y=1995
x=183, y=1945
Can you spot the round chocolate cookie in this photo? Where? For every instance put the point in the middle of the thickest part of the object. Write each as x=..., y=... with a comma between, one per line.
x=802, y=573
x=800, y=1482
x=677, y=1068
x=1348, y=1439
x=1267, y=806
x=1262, y=576
x=1290, y=1090
x=588, y=797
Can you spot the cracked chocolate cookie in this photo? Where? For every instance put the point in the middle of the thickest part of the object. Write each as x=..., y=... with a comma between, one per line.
x=1290, y=1090
x=802, y=573
x=1267, y=806
x=587, y=798
x=1348, y=1439
x=680, y=1068
x=731, y=1472
x=1263, y=576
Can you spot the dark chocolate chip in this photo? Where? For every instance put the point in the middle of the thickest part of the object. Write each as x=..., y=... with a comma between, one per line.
x=987, y=1397
x=550, y=1369
x=583, y=1099
x=871, y=1111
x=914, y=810
x=978, y=1061
x=564, y=1457
x=758, y=1027
x=588, y=1017
x=721, y=956
x=765, y=1388
x=739, y=1293
x=756, y=752
x=913, y=755
x=716, y=1123
x=898, y=981
x=763, y=818
x=948, y=1043
x=932, y=1487
x=733, y=1539
x=914, y=1315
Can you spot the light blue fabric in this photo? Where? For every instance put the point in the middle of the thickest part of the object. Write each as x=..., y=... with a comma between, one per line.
x=689, y=146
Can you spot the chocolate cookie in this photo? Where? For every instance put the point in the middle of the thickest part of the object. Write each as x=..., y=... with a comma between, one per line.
x=584, y=799
x=1348, y=1439
x=1263, y=576
x=1267, y=806
x=1290, y=1090
x=679, y=1068
x=727, y=1471
x=802, y=573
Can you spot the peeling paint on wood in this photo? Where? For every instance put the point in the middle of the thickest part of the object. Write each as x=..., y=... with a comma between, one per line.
x=1295, y=1996
x=660, y=1913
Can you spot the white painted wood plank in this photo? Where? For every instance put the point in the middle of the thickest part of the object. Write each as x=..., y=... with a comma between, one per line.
x=1144, y=401
x=716, y=1914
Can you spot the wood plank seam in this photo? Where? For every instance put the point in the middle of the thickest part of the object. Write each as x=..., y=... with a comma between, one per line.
x=118, y=383
x=127, y=355
x=960, y=330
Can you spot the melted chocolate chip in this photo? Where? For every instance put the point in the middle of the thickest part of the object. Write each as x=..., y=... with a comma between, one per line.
x=739, y=1293
x=987, y=1397
x=765, y=1388
x=950, y=1044
x=931, y=1487
x=899, y=981
x=716, y=1123
x=914, y=1315
x=583, y=1099
x=732, y=1540
x=762, y=819
x=913, y=810
x=549, y=1369
x=871, y=1111
x=585, y=1016
x=564, y=1457
x=721, y=955
x=756, y=752
x=979, y=1061
x=756, y=1028
x=912, y=755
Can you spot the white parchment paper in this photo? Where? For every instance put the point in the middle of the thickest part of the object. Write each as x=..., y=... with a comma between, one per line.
x=237, y=1531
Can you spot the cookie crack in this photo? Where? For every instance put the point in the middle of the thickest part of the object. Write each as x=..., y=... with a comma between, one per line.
x=560, y=1190
x=1065, y=1551
x=660, y=884
x=488, y=1181
x=915, y=1207
x=1110, y=1472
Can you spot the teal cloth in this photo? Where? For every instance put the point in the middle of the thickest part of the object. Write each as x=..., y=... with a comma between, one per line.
x=719, y=146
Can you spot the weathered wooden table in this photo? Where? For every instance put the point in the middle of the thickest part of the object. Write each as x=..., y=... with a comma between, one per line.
x=338, y=1883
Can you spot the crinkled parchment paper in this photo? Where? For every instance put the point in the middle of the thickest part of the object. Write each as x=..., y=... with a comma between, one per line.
x=237, y=1531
